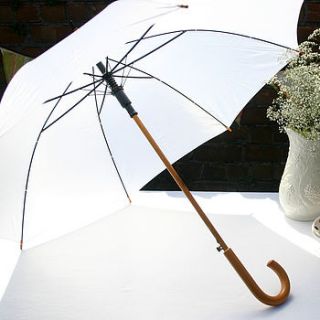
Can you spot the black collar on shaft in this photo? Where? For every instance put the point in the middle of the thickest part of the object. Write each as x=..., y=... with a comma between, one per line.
x=117, y=90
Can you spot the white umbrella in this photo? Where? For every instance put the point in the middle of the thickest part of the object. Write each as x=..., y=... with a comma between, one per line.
x=188, y=71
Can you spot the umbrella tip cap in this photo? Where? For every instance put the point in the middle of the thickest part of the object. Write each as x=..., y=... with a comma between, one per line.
x=101, y=67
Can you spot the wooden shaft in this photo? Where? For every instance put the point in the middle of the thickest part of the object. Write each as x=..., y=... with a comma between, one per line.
x=229, y=254
x=180, y=183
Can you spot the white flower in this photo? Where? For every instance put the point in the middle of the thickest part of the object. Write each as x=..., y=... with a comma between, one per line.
x=297, y=105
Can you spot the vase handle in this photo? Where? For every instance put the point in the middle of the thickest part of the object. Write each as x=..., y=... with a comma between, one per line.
x=252, y=285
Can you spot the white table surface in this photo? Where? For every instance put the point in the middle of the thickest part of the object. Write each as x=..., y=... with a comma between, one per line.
x=156, y=260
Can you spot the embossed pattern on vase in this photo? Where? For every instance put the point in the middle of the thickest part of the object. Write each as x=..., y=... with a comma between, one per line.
x=299, y=190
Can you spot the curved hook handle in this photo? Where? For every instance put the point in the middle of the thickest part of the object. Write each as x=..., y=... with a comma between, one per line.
x=252, y=285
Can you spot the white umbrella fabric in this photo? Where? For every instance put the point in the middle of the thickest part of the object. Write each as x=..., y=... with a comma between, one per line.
x=188, y=71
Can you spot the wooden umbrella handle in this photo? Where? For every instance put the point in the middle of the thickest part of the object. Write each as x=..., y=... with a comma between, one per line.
x=229, y=254
x=252, y=285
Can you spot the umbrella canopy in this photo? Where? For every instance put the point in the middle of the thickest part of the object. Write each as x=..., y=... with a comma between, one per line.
x=217, y=63
x=187, y=69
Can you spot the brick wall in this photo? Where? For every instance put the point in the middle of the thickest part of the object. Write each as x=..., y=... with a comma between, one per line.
x=251, y=158
x=31, y=27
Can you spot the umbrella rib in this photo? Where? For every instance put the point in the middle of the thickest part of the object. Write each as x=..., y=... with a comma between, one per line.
x=113, y=160
x=174, y=9
x=105, y=89
x=76, y=104
x=131, y=49
x=132, y=77
x=124, y=81
x=72, y=91
x=123, y=73
x=105, y=137
x=150, y=52
x=216, y=31
x=93, y=75
x=94, y=88
x=30, y=165
x=99, y=92
x=180, y=93
x=103, y=99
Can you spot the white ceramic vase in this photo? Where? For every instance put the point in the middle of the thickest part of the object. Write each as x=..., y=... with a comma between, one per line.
x=299, y=190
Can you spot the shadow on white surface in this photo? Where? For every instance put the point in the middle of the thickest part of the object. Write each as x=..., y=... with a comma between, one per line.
x=9, y=253
x=157, y=264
